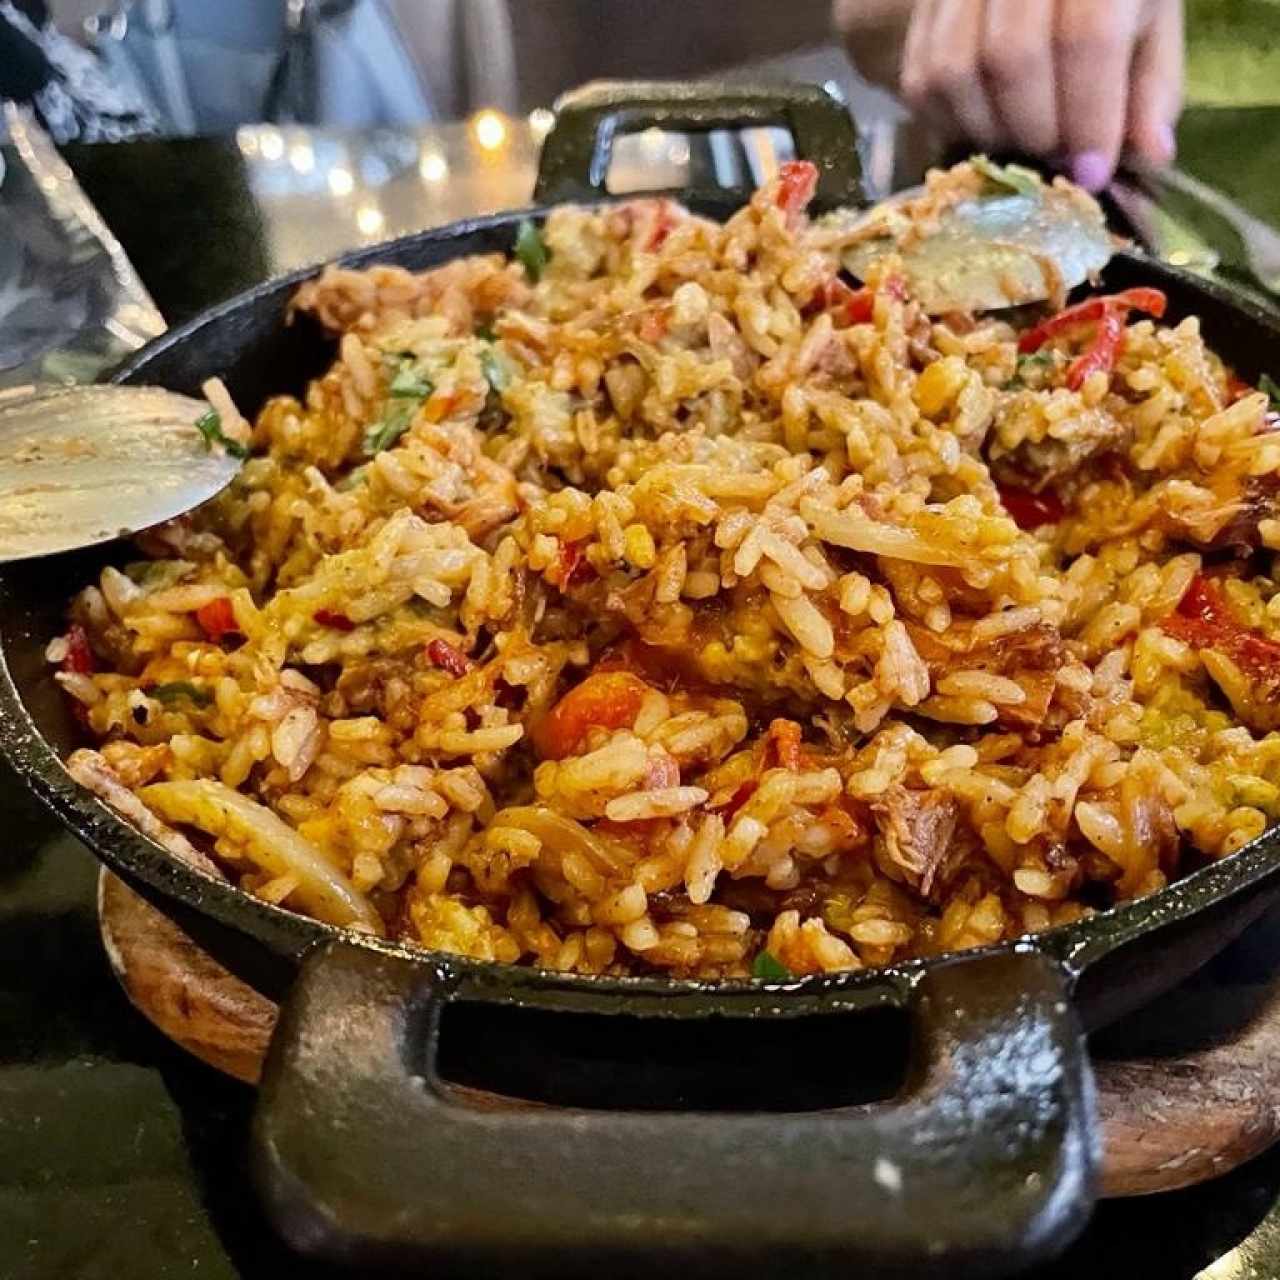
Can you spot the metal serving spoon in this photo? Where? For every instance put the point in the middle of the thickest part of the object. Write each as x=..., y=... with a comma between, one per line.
x=1022, y=242
x=83, y=465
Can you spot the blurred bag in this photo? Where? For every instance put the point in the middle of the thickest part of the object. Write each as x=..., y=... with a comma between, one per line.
x=208, y=67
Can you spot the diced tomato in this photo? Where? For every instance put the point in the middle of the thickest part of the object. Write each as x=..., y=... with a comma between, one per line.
x=338, y=621
x=604, y=700
x=797, y=181
x=79, y=658
x=1103, y=351
x=784, y=737
x=1151, y=302
x=662, y=772
x=1031, y=510
x=572, y=568
x=217, y=619
x=1204, y=620
x=443, y=655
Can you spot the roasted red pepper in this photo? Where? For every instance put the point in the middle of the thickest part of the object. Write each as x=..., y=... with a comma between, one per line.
x=855, y=306
x=217, y=619
x=443, y=655
x=338, y=621
x=1103, y=351
x=1151, y=302
x=797, y=181
x=1204, y=620
x=79, y=657
x=1031, y=510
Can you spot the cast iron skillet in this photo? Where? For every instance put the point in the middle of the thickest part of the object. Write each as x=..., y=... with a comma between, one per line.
x=982, y=1163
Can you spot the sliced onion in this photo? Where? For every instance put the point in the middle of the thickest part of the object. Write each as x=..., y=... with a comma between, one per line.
x=323, y=891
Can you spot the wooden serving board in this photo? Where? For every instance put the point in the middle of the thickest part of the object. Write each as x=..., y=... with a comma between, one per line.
x=1168, y=1121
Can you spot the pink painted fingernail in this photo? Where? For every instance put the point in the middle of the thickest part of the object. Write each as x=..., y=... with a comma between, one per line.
x=1090, y=170
x=1166, y=143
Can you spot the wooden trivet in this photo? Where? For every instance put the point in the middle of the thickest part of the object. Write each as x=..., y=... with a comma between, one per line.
x=1168, y=1121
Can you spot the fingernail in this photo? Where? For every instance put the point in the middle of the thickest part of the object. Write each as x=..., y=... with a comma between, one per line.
x=1166, y=143
x=1090, y=170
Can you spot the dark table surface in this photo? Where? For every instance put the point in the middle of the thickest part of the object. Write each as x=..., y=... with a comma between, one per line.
x=122, y=1157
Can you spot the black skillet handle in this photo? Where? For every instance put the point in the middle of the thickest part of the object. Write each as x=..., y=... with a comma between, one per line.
x=983, y=1165
x=576, y=153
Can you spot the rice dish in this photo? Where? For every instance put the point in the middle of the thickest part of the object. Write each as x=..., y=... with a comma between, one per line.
x=660, y=601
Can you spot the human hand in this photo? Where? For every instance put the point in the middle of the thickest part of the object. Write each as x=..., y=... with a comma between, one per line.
x=1079, y=80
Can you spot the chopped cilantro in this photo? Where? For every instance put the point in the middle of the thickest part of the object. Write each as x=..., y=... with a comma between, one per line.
x=209, y=425
x=531, y=250
x=494, y=370
x=1008, y=177
x=485, y=331
x=408, y=385
x=177, y=689
x=383, y=434
x=1268, y=384
x=767, y=965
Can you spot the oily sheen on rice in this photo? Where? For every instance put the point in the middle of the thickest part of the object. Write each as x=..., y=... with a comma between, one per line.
x=687, y=603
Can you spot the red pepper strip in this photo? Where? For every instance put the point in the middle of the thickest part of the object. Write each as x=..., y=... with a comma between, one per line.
x=856, y=306
x=1103, y=351
x=217, y=619
x=797, y=181
x=740, y=797
x=664, y=223
x=449, y=659
x=1150, y=301
x=79, y=657
x=1204, y=620
x=1238, y=388
x=784, y=737
x=338, y=621
x=1031, y=510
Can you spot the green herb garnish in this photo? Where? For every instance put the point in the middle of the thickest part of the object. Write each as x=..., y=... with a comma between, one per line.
x=531, y=250
x=486, y=331
x=767, y=965
x=1009, y=177
x=178, y=689
x=383, y=434
x=209, y=425
x=1034, y=360
x=494, y=370
x=1268, y=384
x=407, y=385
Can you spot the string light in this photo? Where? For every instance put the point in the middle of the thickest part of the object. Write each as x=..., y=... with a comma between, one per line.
x=341, y=181
x=489, y=130
x=302, y=158
x=433, y=167
x=270, y=142
x=370, y=220
x=247, y=140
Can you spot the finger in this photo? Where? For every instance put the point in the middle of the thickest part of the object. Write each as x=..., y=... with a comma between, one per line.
x=1093, y=49
x=957, y=99
x=1017, y=70
x=914, y=77
x=1156, y=97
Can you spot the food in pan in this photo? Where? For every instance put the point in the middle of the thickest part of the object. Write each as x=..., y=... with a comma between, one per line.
x=660, y=600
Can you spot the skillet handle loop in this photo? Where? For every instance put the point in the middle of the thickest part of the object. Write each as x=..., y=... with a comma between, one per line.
x=576, y=153
x=984, y=1164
